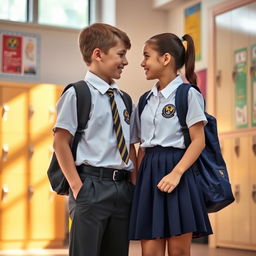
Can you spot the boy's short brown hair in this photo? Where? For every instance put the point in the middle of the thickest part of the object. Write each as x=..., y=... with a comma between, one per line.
x=102, y=36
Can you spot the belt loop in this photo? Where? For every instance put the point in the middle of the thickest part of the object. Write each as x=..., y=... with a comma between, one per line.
x=101, y=173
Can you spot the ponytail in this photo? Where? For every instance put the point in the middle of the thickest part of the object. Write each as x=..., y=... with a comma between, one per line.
x=190, y=60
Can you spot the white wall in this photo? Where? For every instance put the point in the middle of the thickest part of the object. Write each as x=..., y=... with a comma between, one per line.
x=140, y=22
x=60, y=59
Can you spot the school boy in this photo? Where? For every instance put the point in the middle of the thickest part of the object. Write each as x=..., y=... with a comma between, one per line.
x=102, y=190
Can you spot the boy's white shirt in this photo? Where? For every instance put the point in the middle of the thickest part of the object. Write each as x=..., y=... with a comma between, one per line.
x=98, y=144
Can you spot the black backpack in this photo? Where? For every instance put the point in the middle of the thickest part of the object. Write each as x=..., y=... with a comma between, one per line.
x=210, y=167
x=57, y=180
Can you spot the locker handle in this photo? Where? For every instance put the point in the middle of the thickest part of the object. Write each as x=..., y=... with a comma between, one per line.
x=253, y=71
x=30, y=151
x=237, y=146
x=254, y=145
x=6, y=109
x=5, y=151
x=218, y=78
x=30, y=192
x=4, y=194
x=51, y=114
x=31, y=112
x=237, y=193
x=234, y=73
x=254, y=193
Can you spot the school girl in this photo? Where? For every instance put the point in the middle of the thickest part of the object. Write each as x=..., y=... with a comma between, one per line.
x=168, y=208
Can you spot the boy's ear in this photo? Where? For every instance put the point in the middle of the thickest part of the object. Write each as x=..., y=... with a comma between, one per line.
x=97, y=54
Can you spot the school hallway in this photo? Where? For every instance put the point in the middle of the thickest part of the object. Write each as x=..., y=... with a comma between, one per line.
x=197, y=250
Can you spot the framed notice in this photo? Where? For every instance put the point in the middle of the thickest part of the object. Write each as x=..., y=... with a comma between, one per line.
x=193, y=26
x=19, y=54
x=253, y=83
x=240, y=79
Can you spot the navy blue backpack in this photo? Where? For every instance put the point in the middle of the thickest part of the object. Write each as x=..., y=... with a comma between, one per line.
x=210, y=167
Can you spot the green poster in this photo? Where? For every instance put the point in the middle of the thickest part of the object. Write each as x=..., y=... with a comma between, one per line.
x=241, y=117
x=253, y=83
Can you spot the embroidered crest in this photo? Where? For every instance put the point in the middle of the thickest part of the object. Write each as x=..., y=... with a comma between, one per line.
x=126, y=116
x=168, y=111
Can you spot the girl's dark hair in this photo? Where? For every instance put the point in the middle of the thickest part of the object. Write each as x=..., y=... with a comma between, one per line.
x=170, y=43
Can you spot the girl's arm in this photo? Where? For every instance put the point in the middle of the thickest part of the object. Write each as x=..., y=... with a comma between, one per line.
x=61, y=145
x=171, y=180
x=141, y=154
x=133, y=158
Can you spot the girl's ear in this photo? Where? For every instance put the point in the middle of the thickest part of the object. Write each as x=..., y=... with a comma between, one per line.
x=97, y=54
x=167, y=58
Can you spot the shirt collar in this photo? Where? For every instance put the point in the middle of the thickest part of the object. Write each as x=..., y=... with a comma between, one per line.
x=99, y=83
x=169, y=89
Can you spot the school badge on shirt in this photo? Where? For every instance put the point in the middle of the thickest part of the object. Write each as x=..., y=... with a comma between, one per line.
x=168, y=111
x=126, y=116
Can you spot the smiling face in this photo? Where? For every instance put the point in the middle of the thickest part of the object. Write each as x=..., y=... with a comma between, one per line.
x=152, y=62
x=111, y=64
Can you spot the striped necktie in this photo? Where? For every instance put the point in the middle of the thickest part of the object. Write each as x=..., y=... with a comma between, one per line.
x=118, y=128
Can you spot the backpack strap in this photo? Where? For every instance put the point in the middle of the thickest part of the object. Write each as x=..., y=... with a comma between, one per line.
x=127, y=101
x=143, y=101
x=83, y=103
x=181, y=103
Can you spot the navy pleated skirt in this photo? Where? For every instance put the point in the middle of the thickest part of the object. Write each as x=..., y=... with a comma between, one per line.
x=157, y=214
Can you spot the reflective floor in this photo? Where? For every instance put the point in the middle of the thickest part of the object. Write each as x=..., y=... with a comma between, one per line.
x=197, y=250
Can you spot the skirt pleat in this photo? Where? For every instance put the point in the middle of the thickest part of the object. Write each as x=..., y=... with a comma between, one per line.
x=157, y=214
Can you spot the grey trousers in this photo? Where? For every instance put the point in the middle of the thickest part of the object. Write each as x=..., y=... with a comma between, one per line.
x=100, y=216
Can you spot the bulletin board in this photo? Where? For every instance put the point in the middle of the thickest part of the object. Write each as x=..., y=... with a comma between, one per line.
x=19, y=54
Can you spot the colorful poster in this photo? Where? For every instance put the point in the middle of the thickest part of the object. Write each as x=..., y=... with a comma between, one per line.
x=240, y=79
x=12, y=51
x=19, y=54
x=193, y=26
x=202, y=81
x=253, y=83
x=29, y=59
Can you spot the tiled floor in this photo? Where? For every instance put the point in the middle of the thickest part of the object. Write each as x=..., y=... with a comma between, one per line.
x=197, y=250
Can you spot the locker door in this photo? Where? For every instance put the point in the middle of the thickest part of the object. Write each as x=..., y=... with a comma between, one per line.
x=44, y=205
x=241, y=220
x=224, y=217
x=42, y=110
x=13, y=210
x=252, y=187
x=224, y=67
x=14, y=103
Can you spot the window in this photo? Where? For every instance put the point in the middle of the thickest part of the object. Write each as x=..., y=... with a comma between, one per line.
x=63, y=13
x=14, y=10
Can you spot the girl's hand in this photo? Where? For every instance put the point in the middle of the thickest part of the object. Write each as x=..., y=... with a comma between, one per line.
x=169, y=182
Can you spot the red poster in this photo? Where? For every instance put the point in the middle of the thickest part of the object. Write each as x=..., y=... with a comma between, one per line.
x=12, y=54
x=202, y=81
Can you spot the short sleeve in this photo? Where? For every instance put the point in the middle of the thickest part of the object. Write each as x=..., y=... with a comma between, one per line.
x=135, y=126
x=67, y=112
x=195, y=112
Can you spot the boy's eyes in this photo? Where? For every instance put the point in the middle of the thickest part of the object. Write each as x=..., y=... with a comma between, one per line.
x=122, y=54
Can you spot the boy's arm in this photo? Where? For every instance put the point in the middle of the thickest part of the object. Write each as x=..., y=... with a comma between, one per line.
x=61, y=145
x=133, y=158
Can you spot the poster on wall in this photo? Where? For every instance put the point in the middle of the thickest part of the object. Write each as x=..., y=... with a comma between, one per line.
x=193, y=26
x=253, y=83
x=19, y=54
x=202, y=81
x=240, y=79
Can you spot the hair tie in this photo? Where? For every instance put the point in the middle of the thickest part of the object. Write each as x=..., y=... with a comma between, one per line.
x=182, y=39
